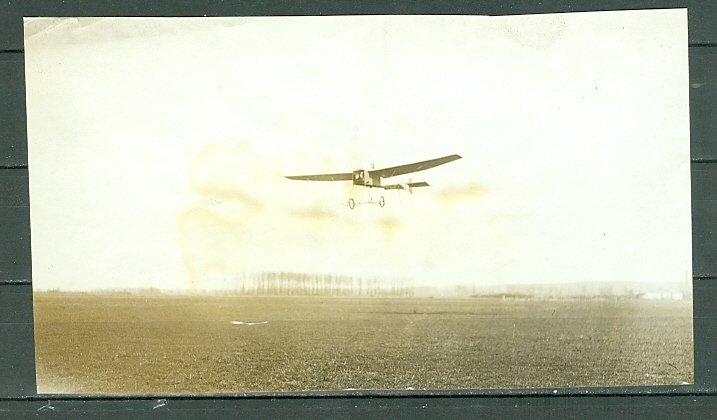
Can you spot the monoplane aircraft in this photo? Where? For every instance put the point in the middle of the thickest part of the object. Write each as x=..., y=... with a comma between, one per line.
x=373, y=178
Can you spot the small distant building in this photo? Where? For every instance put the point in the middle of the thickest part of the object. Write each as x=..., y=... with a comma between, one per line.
x=662, y=296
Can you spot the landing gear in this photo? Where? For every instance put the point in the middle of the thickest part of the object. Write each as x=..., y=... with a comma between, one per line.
x=381, y=202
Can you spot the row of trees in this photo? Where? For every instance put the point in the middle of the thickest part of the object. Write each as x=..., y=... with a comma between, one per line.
x=303, y=284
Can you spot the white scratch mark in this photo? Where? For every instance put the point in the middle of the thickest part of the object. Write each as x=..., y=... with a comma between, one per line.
x=249, y=322
x=47, y=406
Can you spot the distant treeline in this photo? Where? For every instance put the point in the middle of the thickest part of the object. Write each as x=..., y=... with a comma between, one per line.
x=282, y=283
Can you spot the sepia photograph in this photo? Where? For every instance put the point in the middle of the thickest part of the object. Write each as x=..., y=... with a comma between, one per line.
x=339, y=203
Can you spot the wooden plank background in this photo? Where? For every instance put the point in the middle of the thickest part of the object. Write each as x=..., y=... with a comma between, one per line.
x=17, y=383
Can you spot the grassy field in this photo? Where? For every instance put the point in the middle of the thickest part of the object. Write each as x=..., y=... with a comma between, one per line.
x=160, y=344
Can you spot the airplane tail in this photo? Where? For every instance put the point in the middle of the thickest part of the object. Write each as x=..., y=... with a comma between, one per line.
x=407, y=186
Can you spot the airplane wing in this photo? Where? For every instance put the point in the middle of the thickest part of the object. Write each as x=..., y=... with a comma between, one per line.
x=323, y=177
x=412, y=167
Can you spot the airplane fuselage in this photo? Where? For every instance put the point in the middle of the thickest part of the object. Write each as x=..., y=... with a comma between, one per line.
x=364, y=178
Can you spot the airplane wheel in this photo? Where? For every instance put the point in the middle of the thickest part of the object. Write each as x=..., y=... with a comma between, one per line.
x=381, y=201
x=352, y=203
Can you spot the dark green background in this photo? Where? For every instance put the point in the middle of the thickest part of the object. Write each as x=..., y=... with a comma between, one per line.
x=17, y=381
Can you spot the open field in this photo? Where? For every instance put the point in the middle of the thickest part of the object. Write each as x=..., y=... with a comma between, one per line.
x=174, y=344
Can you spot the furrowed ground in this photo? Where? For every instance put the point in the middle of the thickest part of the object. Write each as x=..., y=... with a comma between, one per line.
x=123, y=344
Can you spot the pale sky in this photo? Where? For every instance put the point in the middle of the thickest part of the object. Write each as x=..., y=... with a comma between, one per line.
x=157, y=148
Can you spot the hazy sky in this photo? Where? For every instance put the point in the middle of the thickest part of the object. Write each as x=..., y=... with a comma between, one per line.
x=157, y=148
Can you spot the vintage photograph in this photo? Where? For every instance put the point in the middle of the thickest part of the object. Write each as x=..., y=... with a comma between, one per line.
x=285, y=204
